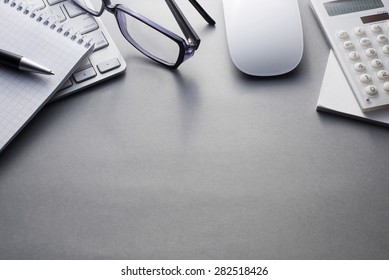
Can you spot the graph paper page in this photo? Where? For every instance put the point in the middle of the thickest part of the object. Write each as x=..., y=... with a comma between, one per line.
x=22, y=94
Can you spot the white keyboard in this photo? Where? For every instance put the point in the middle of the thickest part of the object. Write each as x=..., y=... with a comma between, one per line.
x=105, y=62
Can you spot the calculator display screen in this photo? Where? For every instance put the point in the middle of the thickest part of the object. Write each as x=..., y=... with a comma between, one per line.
x=374, y=18
x=341, y=7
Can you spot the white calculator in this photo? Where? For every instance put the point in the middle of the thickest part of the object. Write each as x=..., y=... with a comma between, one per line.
x=358, y=32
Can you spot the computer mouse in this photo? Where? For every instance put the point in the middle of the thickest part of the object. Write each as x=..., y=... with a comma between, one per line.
x=264, y=37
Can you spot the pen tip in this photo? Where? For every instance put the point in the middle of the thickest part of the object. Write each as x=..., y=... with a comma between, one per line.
x=51, y=73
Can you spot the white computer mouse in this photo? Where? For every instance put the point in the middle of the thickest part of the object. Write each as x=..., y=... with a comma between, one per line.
x=265, y=37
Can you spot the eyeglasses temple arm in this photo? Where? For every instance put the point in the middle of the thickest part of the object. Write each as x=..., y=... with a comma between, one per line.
x=202, y=12
x=185, y=26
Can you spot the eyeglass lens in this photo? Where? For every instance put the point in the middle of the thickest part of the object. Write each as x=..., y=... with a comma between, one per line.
x=151, y=41
x=145, y=38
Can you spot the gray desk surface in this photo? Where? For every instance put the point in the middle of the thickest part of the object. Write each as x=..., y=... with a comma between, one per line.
x=199, y=163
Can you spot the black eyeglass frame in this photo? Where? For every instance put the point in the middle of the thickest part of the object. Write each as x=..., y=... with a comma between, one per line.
x=187, y=47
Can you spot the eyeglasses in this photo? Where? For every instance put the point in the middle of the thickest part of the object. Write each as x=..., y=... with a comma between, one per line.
x=151, y=39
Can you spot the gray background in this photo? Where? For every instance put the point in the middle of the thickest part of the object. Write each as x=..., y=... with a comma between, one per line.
x=199, y=163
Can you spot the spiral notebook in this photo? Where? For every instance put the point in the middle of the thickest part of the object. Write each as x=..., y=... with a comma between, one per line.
x=37, y=36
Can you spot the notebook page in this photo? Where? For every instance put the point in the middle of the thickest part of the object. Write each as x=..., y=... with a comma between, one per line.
x=22, y=94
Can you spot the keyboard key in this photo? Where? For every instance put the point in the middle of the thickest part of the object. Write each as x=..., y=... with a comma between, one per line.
x=85, y=23
x=84, y=75
x=85, y=64
x=37, y=4
x=67, y=84
x=98, y=39
x=108, y=65
x=53, y=2
x=58, y=14
x=73, y=10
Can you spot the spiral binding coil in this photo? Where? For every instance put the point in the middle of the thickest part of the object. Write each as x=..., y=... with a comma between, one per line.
x=47, y=18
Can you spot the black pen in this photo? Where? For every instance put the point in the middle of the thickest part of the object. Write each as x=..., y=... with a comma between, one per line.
x=22, y=63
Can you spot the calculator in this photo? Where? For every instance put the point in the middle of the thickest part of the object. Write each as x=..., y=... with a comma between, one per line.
x=358, y=32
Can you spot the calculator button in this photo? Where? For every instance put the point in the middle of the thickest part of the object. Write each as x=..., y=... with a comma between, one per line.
x=383, y=75
x=365, y=78
x=376, y=63
x=359, y=31
x=376, y=28
x=359, y=67
x=354, y=56
x=348, y=45
x=371, y=52
x=371, y=90
x=382, y=39
x=343, y=34
x=386, y=87
x=385, y=49
x=365, y=42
